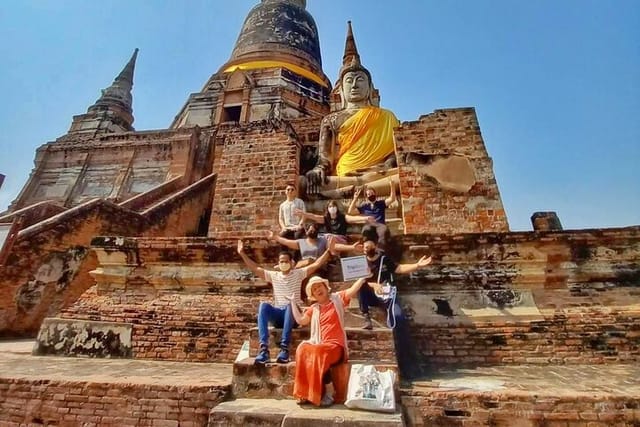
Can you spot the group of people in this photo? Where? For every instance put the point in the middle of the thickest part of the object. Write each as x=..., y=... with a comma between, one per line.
x=355, y=147
x=371, y=212
x=327, y=345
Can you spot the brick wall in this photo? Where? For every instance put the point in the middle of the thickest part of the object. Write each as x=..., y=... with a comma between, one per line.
x=534, y=297
x=24, y=402
x=517, y=409
x=73, y=169
x=254, y=162
x=174, y=326
x=588, y=336
x=471, y=202
x=33, y=214
x=48, y=265
x=528, y=297
x=180, y=214
x=550, y=297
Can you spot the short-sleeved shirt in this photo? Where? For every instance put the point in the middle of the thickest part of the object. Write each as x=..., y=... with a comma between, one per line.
x=388, y=268
x=314, y=251
x=337, y=225
x=285, y=285
x=330, y=330
x=375, y=209
x=287, y=212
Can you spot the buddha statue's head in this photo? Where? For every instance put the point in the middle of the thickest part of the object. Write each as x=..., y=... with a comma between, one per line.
x=355, y=85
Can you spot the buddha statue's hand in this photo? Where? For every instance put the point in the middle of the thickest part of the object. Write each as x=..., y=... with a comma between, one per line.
x=316, y=178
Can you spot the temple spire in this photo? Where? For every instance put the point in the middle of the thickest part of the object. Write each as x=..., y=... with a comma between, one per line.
x=119, y=93
x=113, y=111
x=126, y=74
x=351, y=61
x=350, y=48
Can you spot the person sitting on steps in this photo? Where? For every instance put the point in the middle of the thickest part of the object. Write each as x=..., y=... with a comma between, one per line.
x=312, y=246
x=287, y=281
x=327, y=345
x=291, y=223
x=334, y=221
x=376, y=209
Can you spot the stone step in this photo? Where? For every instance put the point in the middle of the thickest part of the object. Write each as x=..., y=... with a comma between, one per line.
x=370, y=345
x=286, y=413
x=275, y=380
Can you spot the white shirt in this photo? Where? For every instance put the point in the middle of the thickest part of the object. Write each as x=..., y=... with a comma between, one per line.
x=287, y=215
x=286, y=285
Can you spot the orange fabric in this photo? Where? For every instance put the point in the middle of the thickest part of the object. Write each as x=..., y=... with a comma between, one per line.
x=254, y=65
x=365, y=139
x=330, y=330
x=352, y=130
x=312, y=361
x=340, y=376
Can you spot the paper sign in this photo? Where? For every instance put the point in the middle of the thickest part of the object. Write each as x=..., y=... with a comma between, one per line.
x=354, y=267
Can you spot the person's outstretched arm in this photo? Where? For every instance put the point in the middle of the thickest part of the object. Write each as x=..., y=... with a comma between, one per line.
x=291, y=244
x=392, y=195
x=301, y=319
x=310, y=215
x=352, y=206
x=257, y=270
x=359, y=219
x=352, y=291
x=410, y=268
x=354, y=247
x=312, y=268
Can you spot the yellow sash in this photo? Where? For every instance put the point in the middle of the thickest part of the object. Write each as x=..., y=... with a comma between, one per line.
x=365, y=139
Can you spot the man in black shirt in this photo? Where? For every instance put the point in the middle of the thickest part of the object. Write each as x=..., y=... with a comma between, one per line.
x=384, y=267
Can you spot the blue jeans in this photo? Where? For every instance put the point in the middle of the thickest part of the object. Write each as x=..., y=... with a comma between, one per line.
x=278, y=317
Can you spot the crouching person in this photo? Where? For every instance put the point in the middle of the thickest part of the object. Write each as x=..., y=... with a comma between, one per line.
x=285, y=282
x=327, y=345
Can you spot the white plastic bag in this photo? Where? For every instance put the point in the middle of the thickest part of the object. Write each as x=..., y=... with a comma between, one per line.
x=371, y=390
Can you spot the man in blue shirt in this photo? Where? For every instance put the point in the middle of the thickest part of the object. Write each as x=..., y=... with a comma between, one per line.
x=374, y=208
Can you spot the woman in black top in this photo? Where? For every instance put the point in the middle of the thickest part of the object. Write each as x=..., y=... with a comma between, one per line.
x=335, y=222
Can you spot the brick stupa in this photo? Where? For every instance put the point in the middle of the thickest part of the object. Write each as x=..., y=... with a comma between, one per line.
x=122, y=243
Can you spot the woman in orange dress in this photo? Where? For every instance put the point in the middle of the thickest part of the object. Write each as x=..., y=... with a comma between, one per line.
x=327, y=345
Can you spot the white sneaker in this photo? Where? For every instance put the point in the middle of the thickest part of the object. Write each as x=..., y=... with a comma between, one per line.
x=327, y=400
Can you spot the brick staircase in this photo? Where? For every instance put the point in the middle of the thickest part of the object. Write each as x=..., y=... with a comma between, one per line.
x=263, y=393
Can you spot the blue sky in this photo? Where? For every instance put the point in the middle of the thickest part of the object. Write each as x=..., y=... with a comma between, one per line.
x=555, y=84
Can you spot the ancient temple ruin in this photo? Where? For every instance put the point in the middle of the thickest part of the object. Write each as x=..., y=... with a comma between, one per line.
x=122, y=245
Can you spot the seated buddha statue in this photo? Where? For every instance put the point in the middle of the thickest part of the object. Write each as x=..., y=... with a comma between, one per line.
x=355, y=146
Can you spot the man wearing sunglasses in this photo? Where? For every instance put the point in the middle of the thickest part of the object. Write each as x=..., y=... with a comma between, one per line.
x=291, y=223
